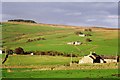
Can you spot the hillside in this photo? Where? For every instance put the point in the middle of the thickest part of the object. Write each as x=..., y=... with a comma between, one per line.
x=15, y=34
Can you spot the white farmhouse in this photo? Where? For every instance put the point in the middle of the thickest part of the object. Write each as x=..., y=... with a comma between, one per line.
x=82, y=35
x=74, y=43
x=91, y=58
x=77, y=43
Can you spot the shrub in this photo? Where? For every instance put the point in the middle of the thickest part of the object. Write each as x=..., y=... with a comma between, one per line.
x=75, y=61
x=78, y=32
x=28, y=52
x=88, y=40
x=88, y=30
x=88, y=34
x=9, y=51
x=19, y=50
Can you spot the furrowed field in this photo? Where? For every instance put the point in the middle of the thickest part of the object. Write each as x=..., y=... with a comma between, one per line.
x=104, y=42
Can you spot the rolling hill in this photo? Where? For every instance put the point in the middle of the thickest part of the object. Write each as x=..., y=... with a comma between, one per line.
x=16, y=34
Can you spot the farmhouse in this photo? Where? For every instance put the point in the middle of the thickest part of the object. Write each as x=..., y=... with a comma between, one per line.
x=91, y=58
x=75, y=43
x=94, y=58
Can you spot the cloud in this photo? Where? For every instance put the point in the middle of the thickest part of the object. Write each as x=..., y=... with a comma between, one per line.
x=59, y=10
x=64, y=13
x=113, y=16
x=74, y=14
x=60, y=0
x=91, y=20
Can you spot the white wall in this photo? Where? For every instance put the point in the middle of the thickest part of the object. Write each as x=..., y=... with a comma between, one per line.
x=0, y=51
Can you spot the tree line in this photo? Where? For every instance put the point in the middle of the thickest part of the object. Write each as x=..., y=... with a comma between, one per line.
x=20, y=51
x=21, y=20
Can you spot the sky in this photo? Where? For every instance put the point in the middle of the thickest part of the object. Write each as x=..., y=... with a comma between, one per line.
x=59, y=0
x=100, y=14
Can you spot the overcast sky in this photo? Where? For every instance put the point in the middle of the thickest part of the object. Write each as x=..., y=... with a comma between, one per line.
x=101, y=14
x=59, y=0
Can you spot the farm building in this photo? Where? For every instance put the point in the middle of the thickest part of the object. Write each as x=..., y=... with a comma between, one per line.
x=94, y=58
x=110, y=59
x=75, y=43
x=82, y=35
x=91, y=58
x=31, y=53
x=0, y=51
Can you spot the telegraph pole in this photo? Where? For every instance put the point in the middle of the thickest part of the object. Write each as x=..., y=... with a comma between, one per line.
x=71, y=59
x=5, y=50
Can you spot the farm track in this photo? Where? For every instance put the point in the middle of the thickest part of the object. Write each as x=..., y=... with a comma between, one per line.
x=77, y=48
x=72, y=67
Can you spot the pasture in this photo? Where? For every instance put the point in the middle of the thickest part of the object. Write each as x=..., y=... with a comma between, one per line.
x=16, y=34
x=33, y=73
x=104, y=42
x=27, y=66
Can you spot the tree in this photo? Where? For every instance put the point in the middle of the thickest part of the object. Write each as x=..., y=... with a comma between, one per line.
x=9, y=51
x=19, y=50
x=88, y=30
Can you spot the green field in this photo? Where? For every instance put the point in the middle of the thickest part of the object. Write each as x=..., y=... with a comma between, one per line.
x=14, y=35
x=27, y=66
x=27, y=60
x=32, y=73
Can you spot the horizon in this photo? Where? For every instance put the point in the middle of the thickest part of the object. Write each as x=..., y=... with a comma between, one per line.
x=63, y=25
x=99, y=14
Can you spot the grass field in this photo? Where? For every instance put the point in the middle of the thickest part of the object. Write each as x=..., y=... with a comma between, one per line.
x=27, y=60
x=27, y=66
x=16, y=34
x=32, y=73
x=104, y=42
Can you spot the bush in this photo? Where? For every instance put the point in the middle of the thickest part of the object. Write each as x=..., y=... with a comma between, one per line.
x=78, y=32
x=75, y=62
x=28, y=52
x=19, y=50
x=9, y=51
x=88, y=40
x=88, y=30
x=37, y=39
x=88, y=34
